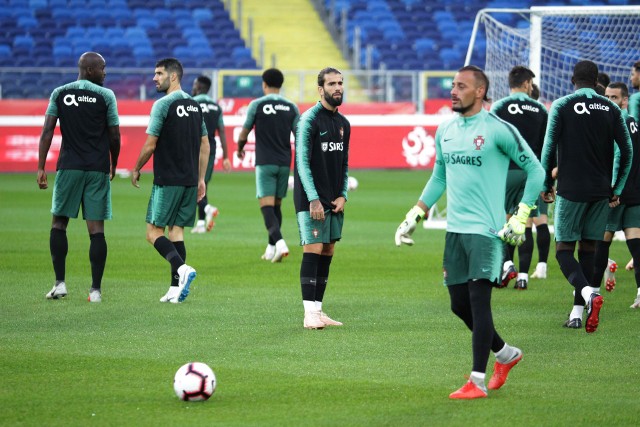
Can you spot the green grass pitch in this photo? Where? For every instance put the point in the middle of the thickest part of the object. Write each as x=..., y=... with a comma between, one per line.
x=394, y=363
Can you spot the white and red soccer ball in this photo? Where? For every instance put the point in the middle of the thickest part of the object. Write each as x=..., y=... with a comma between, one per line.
x=194, y=381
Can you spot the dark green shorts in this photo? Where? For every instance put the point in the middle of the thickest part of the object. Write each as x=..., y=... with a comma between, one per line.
x=622, y=217
x=172, y=205
x=541, y=209
x=272, y=180
x=516, y=179
x=471, y=256
x=575, y=221
x=90, y=189
x=315, y=231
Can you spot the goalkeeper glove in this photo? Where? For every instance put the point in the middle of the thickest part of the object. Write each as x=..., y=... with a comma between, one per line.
x=406, y=227
x=513, y=230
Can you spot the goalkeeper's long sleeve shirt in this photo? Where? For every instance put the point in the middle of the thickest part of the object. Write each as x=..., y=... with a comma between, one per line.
x=472, y=161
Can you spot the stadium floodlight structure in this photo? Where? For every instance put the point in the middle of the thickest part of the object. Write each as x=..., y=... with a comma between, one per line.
x=550, y=40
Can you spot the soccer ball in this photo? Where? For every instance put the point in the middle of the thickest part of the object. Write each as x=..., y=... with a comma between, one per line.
x=290, y=183
x=352, y=183
x=194, y=381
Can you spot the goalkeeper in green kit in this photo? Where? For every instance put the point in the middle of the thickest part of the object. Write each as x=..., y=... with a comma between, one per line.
x=473, y=151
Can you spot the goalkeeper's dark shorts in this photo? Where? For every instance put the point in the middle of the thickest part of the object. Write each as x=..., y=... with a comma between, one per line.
x=471, y=256
x=622, y=217
x=575, y=221
x=315, y=231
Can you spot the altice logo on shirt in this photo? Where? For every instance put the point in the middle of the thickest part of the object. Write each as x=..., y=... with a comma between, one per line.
x=181, y=110
x=70, y=99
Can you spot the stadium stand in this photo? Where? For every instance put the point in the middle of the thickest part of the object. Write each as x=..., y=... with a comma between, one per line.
x=402, y=35
x=128, y=33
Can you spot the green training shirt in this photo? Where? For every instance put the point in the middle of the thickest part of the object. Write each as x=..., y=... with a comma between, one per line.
x=212, y=115
x=634, y=106
x=581, y=133
x=274, y=117
x=85, y=111
x=527, y=115
x=472, y=161
x=177, y=122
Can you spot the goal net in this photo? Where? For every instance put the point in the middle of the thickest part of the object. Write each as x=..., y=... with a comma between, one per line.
x=550, y=40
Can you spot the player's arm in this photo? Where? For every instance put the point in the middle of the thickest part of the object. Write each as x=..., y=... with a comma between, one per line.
x=246, y=128
x=549, y=153
x=623, y=141
x=145, y=154
x=633, y=107
x=305, y=134
x=226, y=164
x=432, y=191
x=114, y=147
x=203, y=163
x=521, y=154
x=113, y=130
x=43, y=149
x=341, y=200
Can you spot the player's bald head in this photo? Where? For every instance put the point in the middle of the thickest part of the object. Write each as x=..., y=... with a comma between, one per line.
x=91, y=67
x=90, y=59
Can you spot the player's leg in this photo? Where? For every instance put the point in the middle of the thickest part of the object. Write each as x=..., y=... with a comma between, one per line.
x=311, y=239
x=266, y=180
x=516, y=179
x=335, y=222
x=543, y=239
x=601, y=258
x=206, y=212
x=631, y=227
x=163, y=208
x=96, y=208
x=525, y=253
x=281, y=187
x=65, y=204
x=594, y=226
x=633, y=243
x=184, y=217
x=59, y=247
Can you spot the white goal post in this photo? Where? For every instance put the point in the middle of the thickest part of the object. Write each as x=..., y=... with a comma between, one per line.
x=550, y=40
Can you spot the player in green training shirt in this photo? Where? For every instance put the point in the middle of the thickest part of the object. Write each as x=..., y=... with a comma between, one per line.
x=473, y=151
x=274, y=118
x=582, y=130
x=530, y=118
x=177, y=139
x=634, y=100
x=212, y=114
x=88, y=157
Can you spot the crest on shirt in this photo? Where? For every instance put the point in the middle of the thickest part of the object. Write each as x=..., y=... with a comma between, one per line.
x=478, y=142
x=341, y=133
x=324, y=146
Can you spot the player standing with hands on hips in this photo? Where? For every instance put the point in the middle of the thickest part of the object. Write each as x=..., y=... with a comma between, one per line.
x=88, y=157
x=177, y=139
x=320, y=191
x=473, y=151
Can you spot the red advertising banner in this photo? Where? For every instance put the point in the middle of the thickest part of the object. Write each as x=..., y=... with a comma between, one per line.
x=378, y=141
